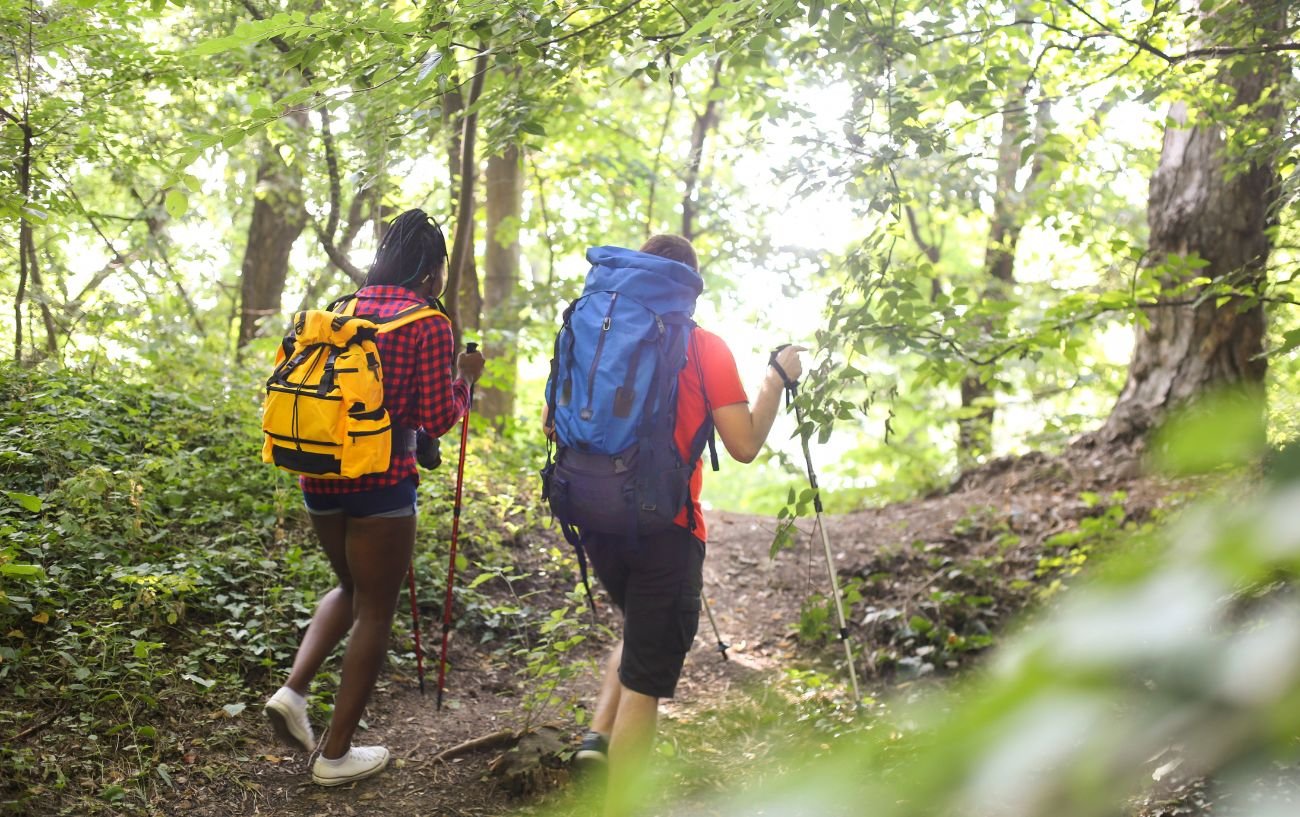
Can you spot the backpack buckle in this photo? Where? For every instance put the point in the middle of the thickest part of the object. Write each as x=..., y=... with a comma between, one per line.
x=605, y=326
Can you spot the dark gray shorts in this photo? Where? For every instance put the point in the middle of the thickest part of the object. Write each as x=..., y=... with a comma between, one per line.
x=656, y=581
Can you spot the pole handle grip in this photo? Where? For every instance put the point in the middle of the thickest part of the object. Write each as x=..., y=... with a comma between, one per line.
x=471, y=348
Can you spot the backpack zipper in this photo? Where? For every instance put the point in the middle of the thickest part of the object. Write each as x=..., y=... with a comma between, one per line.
x=595, y=360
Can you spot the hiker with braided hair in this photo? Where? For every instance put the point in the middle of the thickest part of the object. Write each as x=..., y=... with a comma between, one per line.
x=651, y=565
x=366, y=525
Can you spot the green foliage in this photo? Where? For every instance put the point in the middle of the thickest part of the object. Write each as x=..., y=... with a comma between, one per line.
x=163, y=571
x=1068, y=552
x=1178, y=640
x=152, y=567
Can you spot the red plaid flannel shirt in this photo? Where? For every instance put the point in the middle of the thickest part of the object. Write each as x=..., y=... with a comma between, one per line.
x=418, y=388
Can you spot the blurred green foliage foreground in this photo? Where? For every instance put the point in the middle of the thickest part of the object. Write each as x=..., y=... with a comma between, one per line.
x=1182, y=651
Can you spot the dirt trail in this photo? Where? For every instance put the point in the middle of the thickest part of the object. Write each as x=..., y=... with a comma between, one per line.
x=981, y=539
x=754, y=598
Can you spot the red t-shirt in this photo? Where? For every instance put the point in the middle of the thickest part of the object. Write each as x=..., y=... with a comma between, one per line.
x=706, y=354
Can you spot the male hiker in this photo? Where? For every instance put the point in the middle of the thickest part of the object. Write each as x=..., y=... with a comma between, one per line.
x=634, y=509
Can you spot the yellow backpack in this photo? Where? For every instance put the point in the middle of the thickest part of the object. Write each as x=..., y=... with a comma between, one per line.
x=324, y=413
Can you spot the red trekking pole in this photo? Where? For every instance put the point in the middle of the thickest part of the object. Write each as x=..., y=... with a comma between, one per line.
x=455, y=534
x=415, y=625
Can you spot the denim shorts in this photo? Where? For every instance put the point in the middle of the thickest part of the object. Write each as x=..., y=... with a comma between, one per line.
x=393, y=501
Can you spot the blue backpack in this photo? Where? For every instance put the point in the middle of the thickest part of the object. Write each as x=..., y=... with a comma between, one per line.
x=612, y=398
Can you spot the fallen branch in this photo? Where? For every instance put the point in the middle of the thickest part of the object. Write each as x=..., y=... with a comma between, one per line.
x=39, y=725
x=492, y=741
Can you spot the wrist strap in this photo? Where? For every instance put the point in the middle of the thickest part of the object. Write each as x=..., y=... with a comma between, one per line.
x=791, y=386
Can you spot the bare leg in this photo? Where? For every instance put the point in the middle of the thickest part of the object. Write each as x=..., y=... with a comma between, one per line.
x=333, y=616
x=629, y=749
x=378, y=555
x=607, y=700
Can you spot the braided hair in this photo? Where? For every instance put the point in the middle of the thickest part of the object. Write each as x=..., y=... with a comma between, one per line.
x=411, y=250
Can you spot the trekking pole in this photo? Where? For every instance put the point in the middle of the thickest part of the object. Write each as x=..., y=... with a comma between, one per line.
x=455, y=534
x=722, y=645
x=415, y=625
x=791, y=391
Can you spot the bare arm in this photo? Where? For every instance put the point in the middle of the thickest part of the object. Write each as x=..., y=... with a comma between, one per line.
x=744, y=429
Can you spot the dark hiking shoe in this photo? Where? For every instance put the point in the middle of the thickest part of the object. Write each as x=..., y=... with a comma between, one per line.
x=592, y=754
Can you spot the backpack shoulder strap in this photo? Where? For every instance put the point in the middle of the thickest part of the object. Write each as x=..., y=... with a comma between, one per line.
x=705, y=435
x=348, y=302
x=411, y=315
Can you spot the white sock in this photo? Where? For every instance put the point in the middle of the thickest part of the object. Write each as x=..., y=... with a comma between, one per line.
x=334, y=761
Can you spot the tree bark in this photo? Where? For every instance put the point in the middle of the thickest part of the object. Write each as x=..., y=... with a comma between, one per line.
x=278, y=219
x=705, y=122
x=1198, y=205
x=463, y=302
x=24, y=236
x=501, y=261
x=975, y=432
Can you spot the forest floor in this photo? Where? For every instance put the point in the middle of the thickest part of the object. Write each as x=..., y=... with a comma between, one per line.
x=966, y=561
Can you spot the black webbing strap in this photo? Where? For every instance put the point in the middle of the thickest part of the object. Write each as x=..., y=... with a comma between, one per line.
x=575, y=540
x=791, y=386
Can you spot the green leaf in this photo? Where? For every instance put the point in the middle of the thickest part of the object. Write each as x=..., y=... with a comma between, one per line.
x=233, y=710
x=1226, y=429
x=232, y=137
x=29, y=502
x=176, y=203
x=533, y=128
x=1290, y=340
x=837, y=22
x=22, y=571
x=531, y=50
x=210, y=47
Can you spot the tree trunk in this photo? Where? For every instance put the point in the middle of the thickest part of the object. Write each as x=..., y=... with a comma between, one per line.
x=278, y=219
x=1197, y=207
x=24, y=238
x=705, y=122
x=463, y=301
x=504, y=185
x=975, y=431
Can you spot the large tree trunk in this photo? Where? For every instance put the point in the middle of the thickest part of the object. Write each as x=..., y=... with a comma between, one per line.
x=278, y=219
x=1199, y=206
x=504, y=186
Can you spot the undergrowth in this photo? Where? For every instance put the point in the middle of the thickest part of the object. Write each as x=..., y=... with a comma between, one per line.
x=155, y=578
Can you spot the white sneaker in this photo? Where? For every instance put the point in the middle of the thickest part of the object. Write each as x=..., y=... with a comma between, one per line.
x=287, y=712
x=359, y=763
